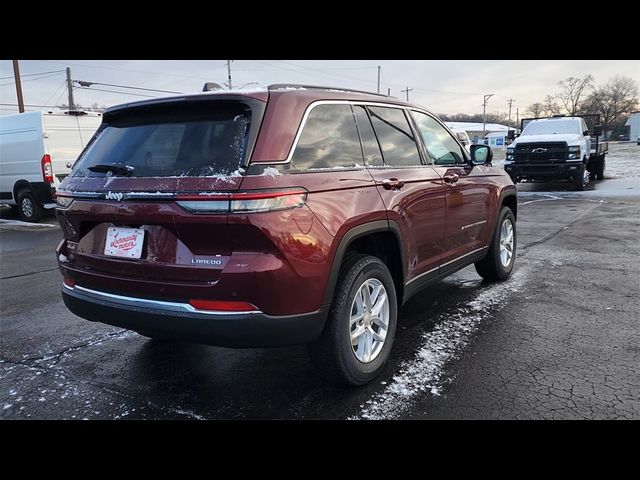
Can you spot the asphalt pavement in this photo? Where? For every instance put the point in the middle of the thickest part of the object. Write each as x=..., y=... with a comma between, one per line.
x=559, y=340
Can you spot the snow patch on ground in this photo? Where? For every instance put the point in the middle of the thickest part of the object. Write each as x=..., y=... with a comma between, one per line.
x=18, y=223
x=453, y=332
x=188, y=413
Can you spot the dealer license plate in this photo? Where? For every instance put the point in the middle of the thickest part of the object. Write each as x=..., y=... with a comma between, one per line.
x=124, y=242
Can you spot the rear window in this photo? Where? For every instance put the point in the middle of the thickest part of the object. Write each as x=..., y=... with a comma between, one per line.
x=207, y=139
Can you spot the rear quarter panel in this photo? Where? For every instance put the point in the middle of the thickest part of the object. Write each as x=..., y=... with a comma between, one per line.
x=308, y=237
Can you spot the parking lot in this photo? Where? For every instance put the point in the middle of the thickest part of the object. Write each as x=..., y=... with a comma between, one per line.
x=559, y=340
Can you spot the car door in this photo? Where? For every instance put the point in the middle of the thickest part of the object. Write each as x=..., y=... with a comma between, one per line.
x=412, y=192
x=467, y=191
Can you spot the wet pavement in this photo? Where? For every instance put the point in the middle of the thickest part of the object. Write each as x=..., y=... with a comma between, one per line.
x=560, y=339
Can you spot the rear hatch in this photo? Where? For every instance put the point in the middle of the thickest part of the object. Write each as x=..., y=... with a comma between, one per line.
x=122, y=217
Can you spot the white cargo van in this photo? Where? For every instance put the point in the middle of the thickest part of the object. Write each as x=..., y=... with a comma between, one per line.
x=37, y=150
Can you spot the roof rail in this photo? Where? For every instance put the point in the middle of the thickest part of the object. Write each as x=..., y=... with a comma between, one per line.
x=282, y=86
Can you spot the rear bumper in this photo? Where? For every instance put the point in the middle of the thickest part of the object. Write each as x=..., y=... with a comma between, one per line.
x=179, y=320
x=549, y=171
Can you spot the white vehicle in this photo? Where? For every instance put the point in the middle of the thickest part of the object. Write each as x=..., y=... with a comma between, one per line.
x=558, y=148
x=463, y=137
x=37, y=151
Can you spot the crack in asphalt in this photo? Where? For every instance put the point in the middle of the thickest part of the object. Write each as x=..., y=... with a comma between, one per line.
x=35, y=363
x=27, y=274
x=552, y=235
x=58, y=355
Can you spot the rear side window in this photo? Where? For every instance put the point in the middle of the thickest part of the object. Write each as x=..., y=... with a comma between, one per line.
x=329, y=139
x=208, y=139
x=370, y=146
x=395, y=136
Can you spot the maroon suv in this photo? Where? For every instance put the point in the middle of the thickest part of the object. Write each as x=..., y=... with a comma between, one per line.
x=275, y=217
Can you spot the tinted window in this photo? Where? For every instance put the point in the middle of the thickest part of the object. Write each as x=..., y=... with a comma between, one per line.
x=370, y=146
x=441, y=146
x=204, y=140
x=395, y=136
x=329, y=139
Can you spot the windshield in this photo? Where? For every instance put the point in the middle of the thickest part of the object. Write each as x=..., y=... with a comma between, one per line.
x=544, y=127
x=171, y=140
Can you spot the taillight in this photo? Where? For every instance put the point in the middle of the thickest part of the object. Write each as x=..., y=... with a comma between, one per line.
x=47, y=170
x=243, y=202
x=63, y=200
x=222, y=306
x=69, y=282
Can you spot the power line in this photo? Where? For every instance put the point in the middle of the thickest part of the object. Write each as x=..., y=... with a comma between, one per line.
x=28, y=105
x=30, y=80
x=64, y=82
x=148, y=72
x=33, y=74
x=115, y=91
x=372, y=82
x=83, y=83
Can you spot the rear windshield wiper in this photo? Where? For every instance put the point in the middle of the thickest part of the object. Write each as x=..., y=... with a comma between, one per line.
x=117, y=168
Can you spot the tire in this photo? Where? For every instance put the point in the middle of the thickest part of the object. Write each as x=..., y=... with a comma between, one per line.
x=28, y=207
x=491, y=267
x=579, y=182
x=333, y=353
x=600, y=169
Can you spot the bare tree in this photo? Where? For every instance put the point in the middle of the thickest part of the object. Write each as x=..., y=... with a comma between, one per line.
x=95, y=107
x=550, y=106
x=614, y=100
x=534, y=110
x=573, y=91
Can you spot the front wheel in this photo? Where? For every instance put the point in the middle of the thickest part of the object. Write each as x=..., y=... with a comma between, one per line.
x=582, y=178
x=498, y=263
x=357, y=339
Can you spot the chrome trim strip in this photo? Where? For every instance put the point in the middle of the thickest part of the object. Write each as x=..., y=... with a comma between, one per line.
x=476, y=224
x=445, y=264
x=157, y=304
x=313, y=105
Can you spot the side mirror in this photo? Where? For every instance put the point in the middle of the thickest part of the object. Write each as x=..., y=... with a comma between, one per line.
x=585, y=133
x=511, y=134
x=481, y=155
x=597, y=130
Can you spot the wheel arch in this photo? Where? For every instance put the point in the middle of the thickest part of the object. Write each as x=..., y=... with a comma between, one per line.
x=380, y=238
x=22, y=185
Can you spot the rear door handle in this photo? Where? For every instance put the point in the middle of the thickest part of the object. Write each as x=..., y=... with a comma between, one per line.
x=392, y=184
x=452, y=178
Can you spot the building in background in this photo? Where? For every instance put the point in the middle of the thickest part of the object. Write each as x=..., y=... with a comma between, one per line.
x=494, y=134
x=634, y=126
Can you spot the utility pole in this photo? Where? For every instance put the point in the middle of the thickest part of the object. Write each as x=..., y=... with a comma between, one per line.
x=229, y=73
x=16, y=75
x=388, y=92
x=517, y=117
x=407, y=90
x=484, y=113
x=510, y=103
x=72, y=106
x=378, y=79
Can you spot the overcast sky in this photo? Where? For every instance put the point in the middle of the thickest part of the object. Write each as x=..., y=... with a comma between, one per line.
x=443, y=86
